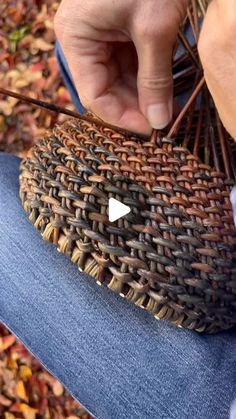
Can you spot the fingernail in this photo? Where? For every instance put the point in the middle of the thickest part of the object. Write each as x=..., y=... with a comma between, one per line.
x=158, y=115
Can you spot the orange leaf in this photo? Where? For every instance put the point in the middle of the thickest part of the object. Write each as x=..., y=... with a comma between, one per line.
x=28, y=412
x=11, y=363
x=15, y=407
x=25, y=372
x=8, y=415
x=6, y=342
x=20, y=391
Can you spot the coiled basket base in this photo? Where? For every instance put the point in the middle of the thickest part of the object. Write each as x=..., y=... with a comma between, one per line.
x=174, y=254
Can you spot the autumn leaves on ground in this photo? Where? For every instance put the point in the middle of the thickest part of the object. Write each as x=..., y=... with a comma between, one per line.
x=27, y=390
x=28, y=66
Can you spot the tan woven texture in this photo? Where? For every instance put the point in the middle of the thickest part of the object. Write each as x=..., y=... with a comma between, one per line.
x=174, y=254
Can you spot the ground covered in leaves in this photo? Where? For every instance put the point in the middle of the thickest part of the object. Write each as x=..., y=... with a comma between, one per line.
x=28, y=66
x=27, y=390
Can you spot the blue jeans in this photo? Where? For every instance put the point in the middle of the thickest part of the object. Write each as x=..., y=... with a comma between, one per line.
x=115, y=358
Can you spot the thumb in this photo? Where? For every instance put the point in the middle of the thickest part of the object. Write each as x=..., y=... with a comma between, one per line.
x=155, y=81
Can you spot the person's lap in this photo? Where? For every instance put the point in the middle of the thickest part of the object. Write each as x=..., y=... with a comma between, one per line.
x=115, y=358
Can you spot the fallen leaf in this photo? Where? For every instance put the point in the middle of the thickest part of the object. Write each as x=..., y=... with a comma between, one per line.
x=25, y=372
x=4, y=401
x=16, y=36
x=6, y=107
x=15, y=408
x=36, y=67
x=6, y=341
x=57, y=388
x=4, y=42
x=28, y=412
x=2, y=122
x=8, y=415
x=23, y=77
x=40, y=44
x=20, y=391
x=11, y=363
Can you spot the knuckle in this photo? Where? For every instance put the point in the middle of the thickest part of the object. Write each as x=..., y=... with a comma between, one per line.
x=144, y=31
x=166, y=27
x=156, y=83
x=148, y=31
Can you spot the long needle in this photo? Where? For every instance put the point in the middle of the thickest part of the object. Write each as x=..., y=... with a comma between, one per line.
x=58, y=109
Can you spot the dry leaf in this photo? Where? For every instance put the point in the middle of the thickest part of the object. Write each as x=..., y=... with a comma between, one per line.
x=11, y=363
x=8, y=415
x=6, y=107
x=25, y=372
x=23, y=77
x=4, y=401
x=2, y=122
x=57, y=388
x=40, y=44
x=15, y=407
x=28, y=412
x=6, y=341
x=20, y=391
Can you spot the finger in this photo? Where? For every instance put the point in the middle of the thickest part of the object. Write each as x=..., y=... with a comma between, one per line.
x=102, y=87
x=154, y=41
x=155, y=83
x=226, y=11
x=218, y=56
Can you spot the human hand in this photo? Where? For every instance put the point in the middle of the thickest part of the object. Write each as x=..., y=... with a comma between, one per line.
x=120, y=56
x=217, y=49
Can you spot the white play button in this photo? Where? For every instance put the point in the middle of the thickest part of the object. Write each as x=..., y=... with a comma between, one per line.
x=117, y=210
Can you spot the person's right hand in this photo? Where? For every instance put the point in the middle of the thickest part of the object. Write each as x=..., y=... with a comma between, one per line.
x=217, y=49
x=120, y=55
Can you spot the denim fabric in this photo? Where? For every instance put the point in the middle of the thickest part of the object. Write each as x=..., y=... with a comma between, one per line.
x=65, y=72
x=115, y=358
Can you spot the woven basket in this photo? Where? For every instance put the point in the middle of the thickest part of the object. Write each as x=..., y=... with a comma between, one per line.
x=174, y=254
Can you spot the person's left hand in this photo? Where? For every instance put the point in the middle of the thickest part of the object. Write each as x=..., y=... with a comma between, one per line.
x=217, y=50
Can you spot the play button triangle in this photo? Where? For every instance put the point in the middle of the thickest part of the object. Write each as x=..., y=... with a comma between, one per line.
x=117, y=210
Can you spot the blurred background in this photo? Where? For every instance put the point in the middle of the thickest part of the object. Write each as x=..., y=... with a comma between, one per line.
x=28, y=66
